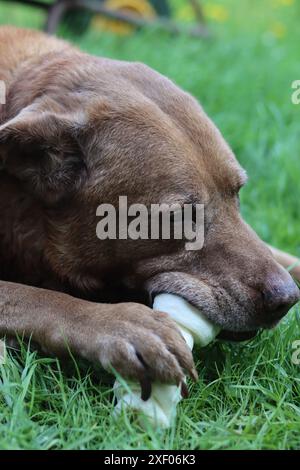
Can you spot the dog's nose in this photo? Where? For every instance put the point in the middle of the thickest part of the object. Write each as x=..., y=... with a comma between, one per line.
x=280, y=296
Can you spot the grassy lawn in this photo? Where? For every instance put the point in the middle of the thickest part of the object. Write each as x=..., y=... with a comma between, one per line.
x=248, y=396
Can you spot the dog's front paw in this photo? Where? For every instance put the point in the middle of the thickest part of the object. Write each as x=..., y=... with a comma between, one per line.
x=143, y=345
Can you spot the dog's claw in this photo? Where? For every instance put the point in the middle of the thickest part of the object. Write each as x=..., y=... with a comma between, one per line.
x=194, y=374
x=146, y=388
x=184, y=390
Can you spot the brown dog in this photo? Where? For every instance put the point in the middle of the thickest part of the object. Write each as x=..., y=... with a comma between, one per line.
x=77, y=131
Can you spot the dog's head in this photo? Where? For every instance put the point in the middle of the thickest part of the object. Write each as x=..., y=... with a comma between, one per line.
x=109, y=129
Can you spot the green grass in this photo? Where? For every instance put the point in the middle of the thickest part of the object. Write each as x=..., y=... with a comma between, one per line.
x=248, y=396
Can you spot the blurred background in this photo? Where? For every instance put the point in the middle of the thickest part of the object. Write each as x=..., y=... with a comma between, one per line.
x=238, y=57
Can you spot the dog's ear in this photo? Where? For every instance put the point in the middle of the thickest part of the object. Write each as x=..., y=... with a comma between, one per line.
x=41, y=149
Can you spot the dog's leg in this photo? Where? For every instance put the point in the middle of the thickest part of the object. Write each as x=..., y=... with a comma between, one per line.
x=287, y=261
x=136, y=341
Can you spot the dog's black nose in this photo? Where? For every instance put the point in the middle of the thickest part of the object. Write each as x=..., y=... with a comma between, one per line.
x=280, y=296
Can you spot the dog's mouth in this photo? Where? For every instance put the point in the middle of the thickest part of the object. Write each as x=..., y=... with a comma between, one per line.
x=227, y=335
x=202, y=299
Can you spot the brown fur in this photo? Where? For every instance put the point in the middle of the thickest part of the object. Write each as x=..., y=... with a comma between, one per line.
x=78, y=131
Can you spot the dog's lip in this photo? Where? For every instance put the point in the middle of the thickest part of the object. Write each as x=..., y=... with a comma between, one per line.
x=226, y=335
x=161, y=284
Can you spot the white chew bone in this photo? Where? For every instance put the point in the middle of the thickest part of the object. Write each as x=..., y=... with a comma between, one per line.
x=188, y=317
x=160, y=409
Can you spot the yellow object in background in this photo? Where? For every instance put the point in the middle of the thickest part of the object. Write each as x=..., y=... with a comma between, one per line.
x=287, y=3
x=216, y=12
x=140, y=8
x=278, y=30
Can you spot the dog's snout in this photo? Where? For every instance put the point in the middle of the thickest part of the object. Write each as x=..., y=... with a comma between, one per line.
x=280, y=295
